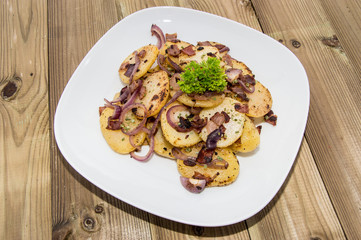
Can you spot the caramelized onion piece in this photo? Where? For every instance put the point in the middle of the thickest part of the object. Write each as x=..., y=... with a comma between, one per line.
x=247, y=87
x=148, y=155
x=140, y=126
x=174, y=98
x=176, y=67
x=155, y=30
x=173, y=82
x=174, y=123
x=178, y=154
x=160, y=61
x=193, y=185
x=213, y=138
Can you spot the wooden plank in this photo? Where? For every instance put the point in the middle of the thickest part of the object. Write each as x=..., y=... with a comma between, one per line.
x=301, y=209
x=334, y=131
x=345, y=17
x=24, y=147
x=80, y=210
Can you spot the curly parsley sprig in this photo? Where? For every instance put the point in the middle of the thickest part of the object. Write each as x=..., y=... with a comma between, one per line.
x=201, y=77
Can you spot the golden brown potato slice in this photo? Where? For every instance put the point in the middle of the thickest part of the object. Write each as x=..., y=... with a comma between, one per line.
x=161, y=146
x=202, y=54
x=116, y=139
x=178, y=139
x=211, y=102
x=240, y=65
x=180, y=45
x=234, y=127
x=260, y=101
x=249, y=139
x=222, y=176
x=157, y=91
x=214, y=44
x=146, y=62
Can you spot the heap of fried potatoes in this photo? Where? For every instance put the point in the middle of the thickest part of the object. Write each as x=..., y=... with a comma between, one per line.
x=239, y=131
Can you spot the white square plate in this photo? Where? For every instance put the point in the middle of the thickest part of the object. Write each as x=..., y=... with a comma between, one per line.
x=154, y=186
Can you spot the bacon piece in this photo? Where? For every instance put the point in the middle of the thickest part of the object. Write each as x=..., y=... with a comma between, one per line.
x=228, y=59
x=259, y=128
x=233, y=74
x=171, y=37
x=205, y=43
x=240, y=93
x=198, y=123
x=211, y=126
x=200, y=176
x=188, y=50
x=173, y=50
x=205, y=155
x=226, y=117
x=242, y=108
x=124, y=65
x=221, y=48
x=218, y=118
x=142, y=53
x=101, y=109
x=271, y=118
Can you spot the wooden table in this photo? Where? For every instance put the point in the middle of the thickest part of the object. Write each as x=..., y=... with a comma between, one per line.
x=41, y=196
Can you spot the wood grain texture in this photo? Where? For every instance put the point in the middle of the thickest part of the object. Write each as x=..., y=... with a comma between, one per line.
x=74, y=27
x=345, y=17
x=301, y=209
x=333, y=131
x=24, y=147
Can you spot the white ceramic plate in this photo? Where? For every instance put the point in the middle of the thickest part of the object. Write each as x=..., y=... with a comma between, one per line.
x=154, y=186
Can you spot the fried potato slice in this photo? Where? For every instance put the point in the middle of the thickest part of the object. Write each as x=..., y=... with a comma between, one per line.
x=249, y=140
x=215, y=44
x=180, y=45
x=222, y=177
x=202, y=54
x=260, y=101
x=146, y=62
x=116, y=139
x=157, y=91
x=240, y=65
x=234, y=127
x=191, y=102
x=178, y=139
x=161, y=146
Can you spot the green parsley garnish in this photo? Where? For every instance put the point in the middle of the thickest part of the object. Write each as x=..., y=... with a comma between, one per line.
x=201, y=77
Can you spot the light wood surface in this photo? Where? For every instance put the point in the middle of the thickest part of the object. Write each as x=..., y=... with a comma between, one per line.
x=43, y=197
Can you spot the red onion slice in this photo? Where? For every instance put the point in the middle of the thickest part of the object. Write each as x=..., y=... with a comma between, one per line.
x=214, y=164
x=174, y=98
x=193, y=185
x=155, y=30
x=176, y=67
x=213, y=138
x=160, y=60
x=247, y=87
x=140, y=126
x=173, y=82
x=171, y=118
x=148, y=155
x=178, y=154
